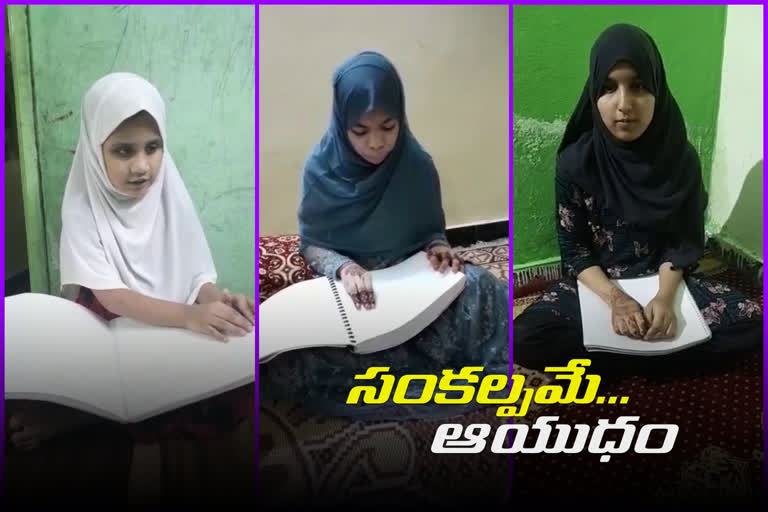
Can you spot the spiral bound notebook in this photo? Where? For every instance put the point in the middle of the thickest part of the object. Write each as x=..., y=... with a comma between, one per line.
x=599, y=335
x=320, y=313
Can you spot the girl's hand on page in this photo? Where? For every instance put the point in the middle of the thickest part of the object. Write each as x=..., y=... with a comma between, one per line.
x=662, y=319
x=442, y=256
x=627, y=315
x=357, y=283
x=242, y=304
x=217, y=320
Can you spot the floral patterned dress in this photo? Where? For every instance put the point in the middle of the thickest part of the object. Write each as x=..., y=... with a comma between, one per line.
x=549, y=330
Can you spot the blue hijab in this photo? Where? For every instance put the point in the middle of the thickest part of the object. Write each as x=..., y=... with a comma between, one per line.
x=386, y=211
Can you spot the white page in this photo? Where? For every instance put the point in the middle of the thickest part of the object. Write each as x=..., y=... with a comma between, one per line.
x=59, y=351
x=406, y=330
x=286, y=323
x=403, y=293
x=167, y=368
x=409, y=296
x=598, y=330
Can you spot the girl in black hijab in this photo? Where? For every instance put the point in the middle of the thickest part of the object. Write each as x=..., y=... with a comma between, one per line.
x=630, y=201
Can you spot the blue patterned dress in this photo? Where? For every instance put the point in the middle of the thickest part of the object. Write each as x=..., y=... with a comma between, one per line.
x=473, y=331
x=548, y=332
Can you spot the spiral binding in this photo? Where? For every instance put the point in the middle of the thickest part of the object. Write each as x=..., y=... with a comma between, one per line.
x=342, y=311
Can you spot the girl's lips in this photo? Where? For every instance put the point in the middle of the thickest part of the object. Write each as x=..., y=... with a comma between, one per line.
x=374, y=160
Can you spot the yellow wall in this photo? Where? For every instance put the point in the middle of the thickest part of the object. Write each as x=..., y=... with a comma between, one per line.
x=454, y=64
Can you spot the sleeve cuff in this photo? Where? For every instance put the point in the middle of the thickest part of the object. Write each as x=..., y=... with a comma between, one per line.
x=437, y=241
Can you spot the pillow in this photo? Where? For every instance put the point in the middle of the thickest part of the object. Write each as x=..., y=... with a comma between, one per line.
x=280, y=264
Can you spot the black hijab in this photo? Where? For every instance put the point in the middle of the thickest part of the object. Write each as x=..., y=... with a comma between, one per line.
x=654, y=181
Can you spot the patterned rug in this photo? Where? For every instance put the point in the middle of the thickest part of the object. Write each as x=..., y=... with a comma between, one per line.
x=305, y=460
x=718, y=454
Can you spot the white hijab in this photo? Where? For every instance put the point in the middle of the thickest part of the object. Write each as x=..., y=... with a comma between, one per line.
x=154, y=245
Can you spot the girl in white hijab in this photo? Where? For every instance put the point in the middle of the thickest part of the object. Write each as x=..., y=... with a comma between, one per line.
x=131, y=243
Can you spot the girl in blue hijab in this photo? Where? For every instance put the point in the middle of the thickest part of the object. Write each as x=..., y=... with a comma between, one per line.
x=370, y=198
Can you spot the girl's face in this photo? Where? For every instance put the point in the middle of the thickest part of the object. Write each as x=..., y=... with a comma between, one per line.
x=133, y=154
x=374, y=136
x=625, y=105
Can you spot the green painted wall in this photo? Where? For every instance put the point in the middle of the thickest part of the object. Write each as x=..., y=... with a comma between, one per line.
x=551, y=57
x=202, y=60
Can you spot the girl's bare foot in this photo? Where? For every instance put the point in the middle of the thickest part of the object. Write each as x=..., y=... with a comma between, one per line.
x=34, y=423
